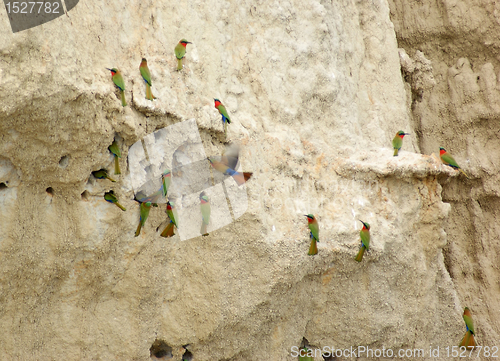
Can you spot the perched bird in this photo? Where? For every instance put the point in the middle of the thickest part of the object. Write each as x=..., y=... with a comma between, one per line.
x=102, y=174
x=314, y=228
x=146, y=75
x=115, y=149
x=165, y=178
x=111, y=198
x=180, y=52
x=365, y=240
x=239, y=177
x=397, y=142
x=222, y=111
x=118, y=80
x=447, y=159
x=172, y=215
x=468, y=340
x=205, y=213
x=145, y=208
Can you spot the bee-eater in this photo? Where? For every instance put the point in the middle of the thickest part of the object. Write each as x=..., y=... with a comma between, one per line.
x=180, y=52
x=468, y=340
x=166, y=178
x=222, y=111
x=397, y=142
x=102, y=174
x=117, y=78
x=115, y=149
x=305, y=354
x=447, y=159
x=172, y=215
x=205, y=213
x=145, y=208
x=314, y=235
x=111, y=198
x=239, y=177
x=146, y=75
x=365, y=240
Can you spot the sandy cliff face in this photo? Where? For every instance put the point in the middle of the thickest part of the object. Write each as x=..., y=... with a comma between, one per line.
x=460, y=111
x=316, y=92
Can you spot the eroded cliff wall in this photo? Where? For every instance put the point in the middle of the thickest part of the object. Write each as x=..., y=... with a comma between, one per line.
x=316, y=94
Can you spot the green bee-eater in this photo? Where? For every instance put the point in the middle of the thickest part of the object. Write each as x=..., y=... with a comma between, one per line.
x=397, y=142
x=115, y=149
x=166, y=178
x=468, y=340
x=146, y=75
x=180, y=52
x=118, y=80
x=205, y=213
x=222, y=111
x=365, y=240
x=447, y=159
x=145, y=208
x=102, y=174
x=111, y=198
x=314, y=235
x=172, y=215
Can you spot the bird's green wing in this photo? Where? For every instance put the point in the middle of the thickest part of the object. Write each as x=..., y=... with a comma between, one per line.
x=365, y=238
x=180, y=51
x=146, y=75
x=115, y=149
x=448, y=159
x=118, y=80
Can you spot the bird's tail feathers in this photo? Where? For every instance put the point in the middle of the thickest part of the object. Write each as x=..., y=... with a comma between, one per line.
x=313, y=248
x=468, y=340
x=241, y=178
x=138, y=231
x=179, y=64
x=466, y=176
x=117, y=166
x=396, y=150
x=203, y=229
x=168, y=231
x=120, y=206
x=124, y=102
x=361, y=252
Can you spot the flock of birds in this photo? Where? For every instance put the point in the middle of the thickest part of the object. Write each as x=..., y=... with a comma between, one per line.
x=468, y=340
x=227, y=165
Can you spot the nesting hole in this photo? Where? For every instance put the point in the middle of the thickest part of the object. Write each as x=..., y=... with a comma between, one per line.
x=187, y=356
x=85, y=195
x=63, y=163
x=50, y=191
x=160, y=350
x=3, y=186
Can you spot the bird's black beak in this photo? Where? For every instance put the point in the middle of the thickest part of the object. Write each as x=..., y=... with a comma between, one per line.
x=108, y=69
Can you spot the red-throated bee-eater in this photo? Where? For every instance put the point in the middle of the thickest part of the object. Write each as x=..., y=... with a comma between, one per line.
x=117, y=78
x=447, y=159
x=397, y=142
x=312, y=222
x=365, y=240
x=180, y=52
x=146, y=75
x=145, y=208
